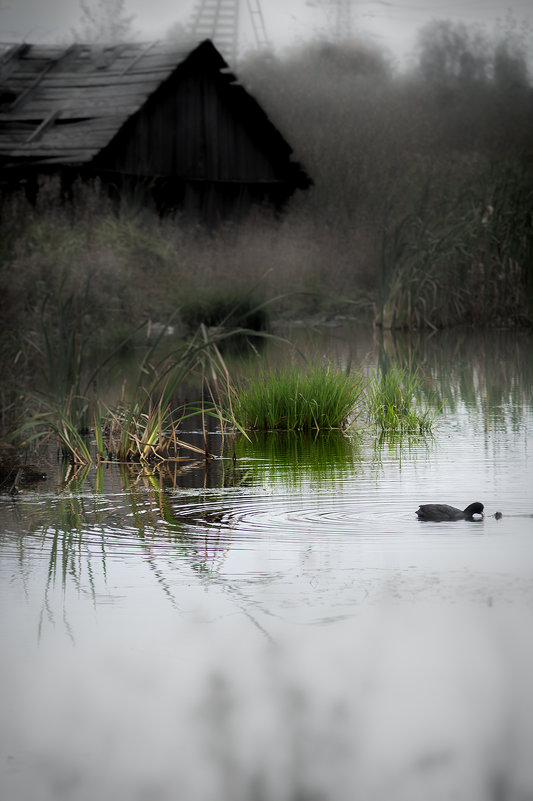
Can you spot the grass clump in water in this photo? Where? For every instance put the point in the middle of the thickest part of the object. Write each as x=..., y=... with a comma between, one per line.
x=295, y=399
x=393, y=403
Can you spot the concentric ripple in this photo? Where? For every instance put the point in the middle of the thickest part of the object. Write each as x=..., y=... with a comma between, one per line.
x=117, y=524
x=287, y=515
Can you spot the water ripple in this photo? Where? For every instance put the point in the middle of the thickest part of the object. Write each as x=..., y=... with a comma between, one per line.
x=291, y=517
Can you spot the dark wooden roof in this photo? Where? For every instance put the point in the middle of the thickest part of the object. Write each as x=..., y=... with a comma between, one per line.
x=63, y=106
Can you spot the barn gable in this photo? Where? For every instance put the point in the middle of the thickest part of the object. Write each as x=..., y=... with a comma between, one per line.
x=172, y=117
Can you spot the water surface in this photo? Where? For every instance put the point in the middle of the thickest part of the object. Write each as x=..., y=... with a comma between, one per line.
x=282, y=626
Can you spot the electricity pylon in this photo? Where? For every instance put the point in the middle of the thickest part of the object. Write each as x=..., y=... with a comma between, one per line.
x=343, y=20
x=341, y=25
x=221, y=21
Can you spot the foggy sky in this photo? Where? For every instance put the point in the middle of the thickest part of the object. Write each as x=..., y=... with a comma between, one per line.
x=390, y=23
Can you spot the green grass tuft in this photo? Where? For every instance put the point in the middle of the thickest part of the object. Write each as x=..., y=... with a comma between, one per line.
x=297, y=399
x=393, y=403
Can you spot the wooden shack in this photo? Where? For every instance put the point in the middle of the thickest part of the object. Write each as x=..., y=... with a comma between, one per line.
x=170, y=119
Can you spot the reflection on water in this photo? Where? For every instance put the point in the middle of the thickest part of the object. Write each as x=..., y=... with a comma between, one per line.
x=280, y=626
x=489, y=371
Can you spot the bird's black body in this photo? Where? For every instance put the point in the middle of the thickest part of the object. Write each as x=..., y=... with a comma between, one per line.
x=441, y=511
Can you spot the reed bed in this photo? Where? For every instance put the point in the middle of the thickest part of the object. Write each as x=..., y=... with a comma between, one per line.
x=144, y=425
x=463, y=254
x=299, y=399
x=65, y=401
x=320, y=397
x=147, y=426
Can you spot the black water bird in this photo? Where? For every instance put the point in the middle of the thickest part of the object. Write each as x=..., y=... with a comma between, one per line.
x=441, y=511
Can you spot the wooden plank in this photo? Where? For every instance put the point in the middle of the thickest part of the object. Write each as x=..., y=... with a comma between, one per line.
x=149, y=73
x=47, y=94
x=59, y=144
x=159, y=59
x=31, y=85
x=75, y=80
x=76, y=107
x=138, y=57
x=63, y=144
x=37, y=133
x=27, y=120
x=14, y=124
x=53, y=91
x=89, y=65
x=10, y=141
x=123, y=56
x=59, y=136
x=39, y=78
x=45, y=51
x=14, y=51
x=95, y=124
x=65, y=136
x=66, y=153
x=74, y=159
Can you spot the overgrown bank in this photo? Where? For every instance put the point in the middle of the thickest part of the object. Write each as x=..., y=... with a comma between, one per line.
x=421, y=206
x=421, y=214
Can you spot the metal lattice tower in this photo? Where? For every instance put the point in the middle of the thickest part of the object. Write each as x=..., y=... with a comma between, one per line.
x=258, y=24
x=221, y=21
x=343, y=20
x=341, y=24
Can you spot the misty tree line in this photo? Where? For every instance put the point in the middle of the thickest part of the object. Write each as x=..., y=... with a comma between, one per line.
x=367, y=133
x=347, y=113
x=468, y=90
x=104, y=21
x=421, y=177
x=425, y=173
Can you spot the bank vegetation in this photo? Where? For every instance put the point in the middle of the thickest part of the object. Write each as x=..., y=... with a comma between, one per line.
x=421, y=216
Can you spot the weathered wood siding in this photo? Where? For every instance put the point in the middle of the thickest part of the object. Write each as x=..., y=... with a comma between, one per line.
x=200, y=126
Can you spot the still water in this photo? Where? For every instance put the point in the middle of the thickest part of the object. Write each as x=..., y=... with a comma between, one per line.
x=282, y=627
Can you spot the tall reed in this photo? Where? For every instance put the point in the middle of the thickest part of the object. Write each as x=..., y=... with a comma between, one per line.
x=463, y=254
x=66, y=396
x=146, y=425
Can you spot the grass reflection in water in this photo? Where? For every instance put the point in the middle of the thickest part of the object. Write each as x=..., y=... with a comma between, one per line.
x=182, y=511
x=407, y=695
x=486, y=371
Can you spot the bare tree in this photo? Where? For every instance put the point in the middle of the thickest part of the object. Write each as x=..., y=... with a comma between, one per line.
x=104, y=22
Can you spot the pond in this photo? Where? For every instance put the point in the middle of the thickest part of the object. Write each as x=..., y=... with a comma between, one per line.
x=281, y=626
